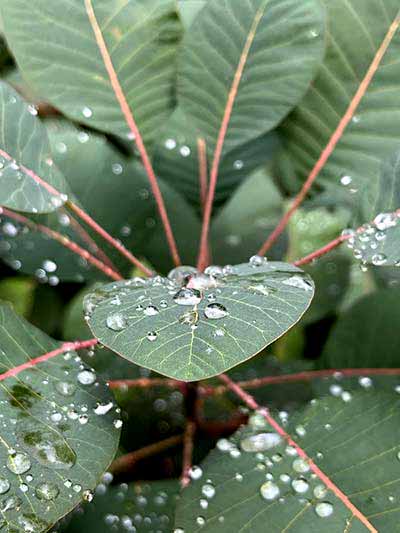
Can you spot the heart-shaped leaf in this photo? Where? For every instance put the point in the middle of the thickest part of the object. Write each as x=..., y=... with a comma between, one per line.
x=60, y=54
x=346, y=480
x=194, y=326
x=356, y=30
x=59, y=428
x=257, y=57
x=25, y=158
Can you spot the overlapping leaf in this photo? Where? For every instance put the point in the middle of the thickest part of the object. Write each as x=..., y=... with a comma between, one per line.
x=58, y=431
x=356, y=29
x=191, y=333
x=58, y=54
x=366, y=334
x=272, y=48
x=25, y=158
x=256, y=481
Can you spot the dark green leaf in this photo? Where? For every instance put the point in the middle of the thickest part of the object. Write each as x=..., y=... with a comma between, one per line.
x=247, y=218
x=137, y=507
x=202, y=326
x=25, y=158
x=366, y=335
x=354, y=441
x=54, y=446
x=272, y=48
x=58, y=54
x=356, y=29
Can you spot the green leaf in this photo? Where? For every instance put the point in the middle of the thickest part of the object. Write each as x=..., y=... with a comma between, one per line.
x=192, y=329
x=246, y=219
x=261, y=44
x=100, y=178
x=189, y=10
x=135, y=507
x=20, y=293
x=54, y=447
x=25, y=158
x=58, y=54
x=355, y=443
x=356, y=29
x=176, y=159
x=366, y=335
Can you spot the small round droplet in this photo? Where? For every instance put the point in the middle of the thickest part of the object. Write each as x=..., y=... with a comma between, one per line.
x=257, y=260
x=324, y=509
x=151, y=336
x=18, y=463
x=187, y=297
x=300, y=485
x=86, y=377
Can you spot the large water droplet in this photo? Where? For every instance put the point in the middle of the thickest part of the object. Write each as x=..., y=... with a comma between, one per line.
x=260, y=442
x=47, y=491
x=298, y=282
x=18, y=463
x=269, y=491
x=116, y=322
x=215, y=311
x=48, y=447
x=103, y=408
x=86, y=377
x=4, y=485
x=300, y=485
x=187, y=297
x=324, y=509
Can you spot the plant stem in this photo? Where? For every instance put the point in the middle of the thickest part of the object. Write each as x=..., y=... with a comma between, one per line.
x=66, y=347
x=126, y=462
x=202, y=260
x=336, y=136
x=128, y=115
x=107, y=237
x=64, y=241
x=307, y=375
x=191, y=405
x=251, y=402
x=144, y=383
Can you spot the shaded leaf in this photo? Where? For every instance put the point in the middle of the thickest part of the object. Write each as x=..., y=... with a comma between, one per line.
x=20, y=293
x=54, y=447
x=243, y=223
x=25, y=158
x=137, y=507
x=354, y=443
x=366, y=335
x=176, y=159
x=191, y=333
x=58, y=54
x=189, y=9
x=355, y=31
x=262, y=43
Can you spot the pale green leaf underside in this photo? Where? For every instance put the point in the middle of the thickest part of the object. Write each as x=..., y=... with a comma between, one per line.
x=356, y=29
x=24, y=145
x=262, y=303
x=354, y=443
x=39, y=421
x=58, y=54
x=287, y=44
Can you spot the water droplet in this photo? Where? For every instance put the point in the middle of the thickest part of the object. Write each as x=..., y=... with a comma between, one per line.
x=151, y=336
x=4, y=485
x=260, y=442
x=300, y=465
x=87, y=496
x=384, y=221
x=48, y=447
x=269, y=491
x=170, y=144
x=195, y=472
x=87, y=112
x=151, y=310
x=65, y=388
x=379, y=259
x=299, y=283
x=187, y=297
x=116, y=322
x=86, y=377
x=18, y=463
x=257, y=260
x=324, y=509
x=238, y=164
x=320, y=491
x=346, y=180
x=215, y=311
x=208, y=490
x=300, y=485
x=185, y=151
x=103, y=408
x=47, y=491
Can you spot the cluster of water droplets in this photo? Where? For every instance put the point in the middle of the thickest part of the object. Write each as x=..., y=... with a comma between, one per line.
x=368, y=242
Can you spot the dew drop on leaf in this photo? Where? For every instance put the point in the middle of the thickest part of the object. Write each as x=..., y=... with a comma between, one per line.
x=215, y=311
x=47, y=491
x=103, y=408
x=257, y=260
x=18, y=463
x=116, y=322
x=300, y=485
x=324, y=509
x=260, y=442
x=86, y=377
x=151, y=336
x=187, y=297
x=4, y=485
x=269, y=491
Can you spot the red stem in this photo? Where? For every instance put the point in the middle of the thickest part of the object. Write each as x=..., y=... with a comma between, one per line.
x=120, y=96
x=203, y=251
x=86, y=238
x=335, y=138
x=251, y=402
x=188, y=443
x=144, y=383
x=84, y=216
x=66, y=347
x=64, y=241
